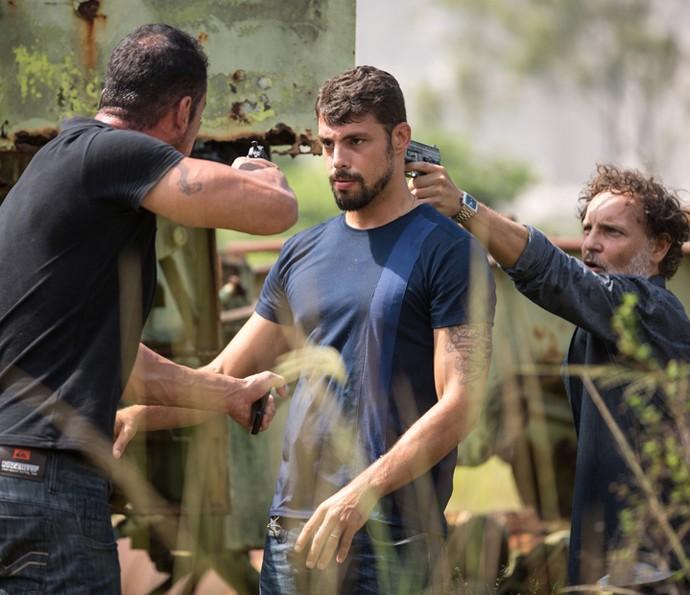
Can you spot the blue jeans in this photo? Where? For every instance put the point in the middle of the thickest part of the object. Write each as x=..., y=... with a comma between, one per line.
x=55, y=533
x=382, y=561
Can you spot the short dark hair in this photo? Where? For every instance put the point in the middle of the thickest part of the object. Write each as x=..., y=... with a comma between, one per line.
x=359, y=92
x=152, y=69
x=664, y=215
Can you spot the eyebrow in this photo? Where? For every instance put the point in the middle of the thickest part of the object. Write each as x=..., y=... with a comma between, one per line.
x=346, y=137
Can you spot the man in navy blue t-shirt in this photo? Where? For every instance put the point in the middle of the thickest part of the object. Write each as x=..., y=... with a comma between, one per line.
x=406, y=298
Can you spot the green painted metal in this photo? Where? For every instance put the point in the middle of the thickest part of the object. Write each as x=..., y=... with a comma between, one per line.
x=266, y=60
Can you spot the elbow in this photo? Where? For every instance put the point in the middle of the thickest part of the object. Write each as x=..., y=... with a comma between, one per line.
x=282, y=216
x=290, y=212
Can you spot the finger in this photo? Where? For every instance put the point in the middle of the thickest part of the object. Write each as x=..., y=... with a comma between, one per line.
x=269, y=412
x=345, y=543
x=329, y=548
x=269, y=380
x=125, y=434
x=423, y=193
x=422, y=167
x=309, y=528
x=436, y=178
x=318, y=543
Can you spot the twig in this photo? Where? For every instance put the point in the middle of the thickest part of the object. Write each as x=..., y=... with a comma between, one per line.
x=629, y=457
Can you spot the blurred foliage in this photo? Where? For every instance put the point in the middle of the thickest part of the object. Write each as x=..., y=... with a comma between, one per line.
x=626, y=56
x=658, y=397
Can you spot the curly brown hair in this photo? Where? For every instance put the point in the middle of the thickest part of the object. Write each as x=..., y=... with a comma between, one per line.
x=664, y=214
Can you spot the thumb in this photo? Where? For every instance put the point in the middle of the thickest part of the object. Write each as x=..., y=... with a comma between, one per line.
x=123, y=435
x=265, y=381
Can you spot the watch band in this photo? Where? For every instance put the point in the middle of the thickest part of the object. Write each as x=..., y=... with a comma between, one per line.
x=468, y=208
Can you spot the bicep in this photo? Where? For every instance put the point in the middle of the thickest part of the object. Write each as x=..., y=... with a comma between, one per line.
x=197, y=193
x=461, y=358
x=201, y=193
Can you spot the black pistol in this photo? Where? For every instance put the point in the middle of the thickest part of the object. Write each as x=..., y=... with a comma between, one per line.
x=258, y=410
x=257, y=151
x=420, y=152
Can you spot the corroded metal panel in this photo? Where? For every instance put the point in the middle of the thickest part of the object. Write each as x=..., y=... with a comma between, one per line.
x=267, y=58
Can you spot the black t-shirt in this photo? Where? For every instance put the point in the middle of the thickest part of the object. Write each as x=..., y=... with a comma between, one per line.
x=77, y=275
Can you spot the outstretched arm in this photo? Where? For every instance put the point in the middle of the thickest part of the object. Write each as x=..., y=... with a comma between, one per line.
x=461, y=361
x=251, y=196
x=228, y=384
x=504, y=239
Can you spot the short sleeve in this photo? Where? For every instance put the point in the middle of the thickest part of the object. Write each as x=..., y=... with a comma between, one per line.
x=121, y=166
x=273, y=303
x=461, y=284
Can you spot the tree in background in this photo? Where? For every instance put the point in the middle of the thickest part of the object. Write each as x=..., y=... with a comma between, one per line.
x=626, y=57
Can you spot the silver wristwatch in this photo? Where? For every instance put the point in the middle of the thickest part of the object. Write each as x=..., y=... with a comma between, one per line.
x=468, y=208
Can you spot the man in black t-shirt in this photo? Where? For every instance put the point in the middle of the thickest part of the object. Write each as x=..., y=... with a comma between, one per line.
x=77, y=264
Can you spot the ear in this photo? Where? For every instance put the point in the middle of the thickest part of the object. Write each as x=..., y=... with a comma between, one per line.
x=183, y=112
x=400, y=137
x=660, y=247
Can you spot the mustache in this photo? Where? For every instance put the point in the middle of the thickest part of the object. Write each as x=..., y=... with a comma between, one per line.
x=592, y=260
x=345, y=176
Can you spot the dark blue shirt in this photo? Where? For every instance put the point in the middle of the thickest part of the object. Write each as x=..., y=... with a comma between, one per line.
x=565, y=286
x=376, y=296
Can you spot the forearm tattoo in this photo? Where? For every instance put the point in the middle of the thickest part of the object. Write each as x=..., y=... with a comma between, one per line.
x=184, y=184
x=471, y=345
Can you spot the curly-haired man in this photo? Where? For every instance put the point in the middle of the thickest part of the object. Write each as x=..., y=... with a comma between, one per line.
x=634, y=229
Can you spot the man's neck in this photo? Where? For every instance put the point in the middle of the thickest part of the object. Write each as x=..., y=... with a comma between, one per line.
x=112, y=119
x=116, y=121
x=394, y=201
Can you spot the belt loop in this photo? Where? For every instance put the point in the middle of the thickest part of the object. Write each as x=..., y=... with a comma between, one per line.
x=275, y=530
x=53, y=471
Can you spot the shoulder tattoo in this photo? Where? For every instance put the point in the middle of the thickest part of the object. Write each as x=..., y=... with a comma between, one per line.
x=471, y=346
x=183, y=183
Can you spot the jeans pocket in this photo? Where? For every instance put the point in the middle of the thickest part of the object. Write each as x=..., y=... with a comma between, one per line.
x=24, y=554
x=97, y=533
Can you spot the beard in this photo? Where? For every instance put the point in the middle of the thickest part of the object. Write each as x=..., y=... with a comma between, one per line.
x=356, y=200
x=639, y=265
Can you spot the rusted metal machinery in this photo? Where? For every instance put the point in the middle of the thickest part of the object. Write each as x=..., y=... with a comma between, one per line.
x=267, y=58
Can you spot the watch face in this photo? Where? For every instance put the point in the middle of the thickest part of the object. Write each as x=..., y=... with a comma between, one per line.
x=470, y=201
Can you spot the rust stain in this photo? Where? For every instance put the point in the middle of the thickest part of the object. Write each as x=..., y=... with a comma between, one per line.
x=31, y=140
x=88, y=12
x=237, y=113
x=87, y=9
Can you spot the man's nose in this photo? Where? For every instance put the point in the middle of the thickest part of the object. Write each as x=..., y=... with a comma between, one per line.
x=340, y=158
x=591, y=243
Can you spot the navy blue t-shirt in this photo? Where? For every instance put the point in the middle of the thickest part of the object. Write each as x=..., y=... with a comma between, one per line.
x=376, y=296
x=77, y=275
